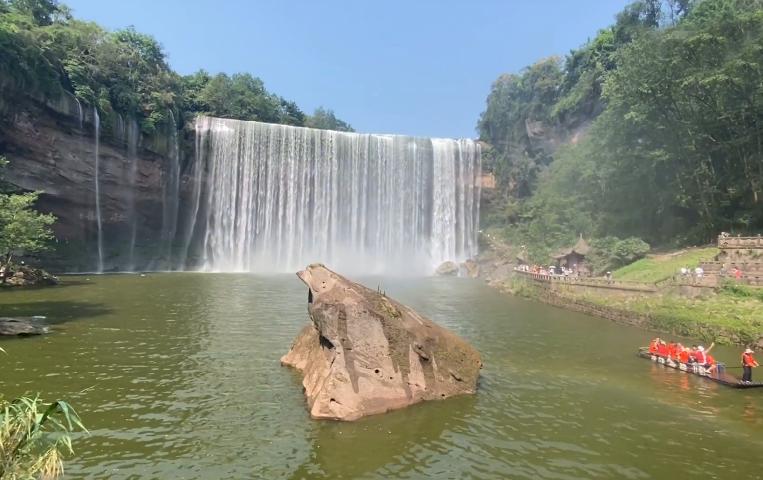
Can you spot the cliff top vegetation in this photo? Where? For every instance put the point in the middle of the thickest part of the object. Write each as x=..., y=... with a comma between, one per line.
x=45, y=51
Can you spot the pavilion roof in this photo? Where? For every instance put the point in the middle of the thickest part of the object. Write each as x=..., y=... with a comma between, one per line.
x=581, y=248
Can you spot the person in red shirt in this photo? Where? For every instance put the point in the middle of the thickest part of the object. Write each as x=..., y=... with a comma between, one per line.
x=683, y=355
x=700, y=355
x=711, y=364
x=653, y=346
x=748, y=363
x=737, y=273
x=672, y=350
x=662, y=349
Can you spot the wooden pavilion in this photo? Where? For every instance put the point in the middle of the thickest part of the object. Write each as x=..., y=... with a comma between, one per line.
x=574, y=258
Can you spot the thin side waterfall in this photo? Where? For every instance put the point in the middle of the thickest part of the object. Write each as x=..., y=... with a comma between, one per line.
x=97, y=125
x=133, y=136
x=80, y=112
x=197, y=172
x=278, y=197
x=171, y=193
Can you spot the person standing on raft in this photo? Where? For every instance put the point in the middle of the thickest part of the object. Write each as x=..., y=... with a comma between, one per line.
x=748, y=363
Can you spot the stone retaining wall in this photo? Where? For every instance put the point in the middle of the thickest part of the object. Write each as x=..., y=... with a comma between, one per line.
x=583, y=286
x=623, y=317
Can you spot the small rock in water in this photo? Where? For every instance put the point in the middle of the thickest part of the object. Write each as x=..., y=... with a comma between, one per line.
x=472, y=268
x=20, y=327
x=364, y=353
x=447, y=269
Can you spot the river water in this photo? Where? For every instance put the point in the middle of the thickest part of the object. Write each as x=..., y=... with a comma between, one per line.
x=178, y=376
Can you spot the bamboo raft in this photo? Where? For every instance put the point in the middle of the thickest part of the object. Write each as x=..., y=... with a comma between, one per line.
x=717, y=376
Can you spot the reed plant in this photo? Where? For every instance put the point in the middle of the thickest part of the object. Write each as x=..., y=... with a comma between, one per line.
x=34, y=438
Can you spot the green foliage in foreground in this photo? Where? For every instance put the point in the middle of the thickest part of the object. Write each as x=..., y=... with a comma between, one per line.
x=34, y=437
x=660, y=267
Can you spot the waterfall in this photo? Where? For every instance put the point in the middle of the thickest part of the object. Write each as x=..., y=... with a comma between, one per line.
x=171, y=192
x=80, y=112
x=279, y=197
x=132, y=137
x=97, y=125
x=197, y=171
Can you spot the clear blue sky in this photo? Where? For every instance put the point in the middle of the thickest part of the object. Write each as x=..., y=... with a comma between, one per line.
x=416, y=67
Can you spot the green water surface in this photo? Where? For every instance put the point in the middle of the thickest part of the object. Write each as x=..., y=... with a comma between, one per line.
x=178, y=376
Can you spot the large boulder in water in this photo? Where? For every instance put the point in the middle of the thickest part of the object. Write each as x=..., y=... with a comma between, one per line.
x=364, y=353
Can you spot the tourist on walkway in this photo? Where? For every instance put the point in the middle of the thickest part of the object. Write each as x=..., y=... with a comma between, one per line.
x=737, y=273
x=748, y=363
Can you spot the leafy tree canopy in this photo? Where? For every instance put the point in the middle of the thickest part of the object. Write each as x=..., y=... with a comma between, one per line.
x=45, y=51
x=671, y=98
x=326, y=120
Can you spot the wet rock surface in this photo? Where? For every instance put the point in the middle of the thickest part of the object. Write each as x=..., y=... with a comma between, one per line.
x=21, y=327
x=447, y=269
x=25, y=276
x=364, y=353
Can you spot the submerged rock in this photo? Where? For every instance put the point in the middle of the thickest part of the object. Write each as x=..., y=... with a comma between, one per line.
x=447, y=269
x=472, y=268
x=20, y=327
x=363, y=353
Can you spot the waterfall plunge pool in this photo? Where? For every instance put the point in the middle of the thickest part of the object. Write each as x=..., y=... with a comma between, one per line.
x=178, y=376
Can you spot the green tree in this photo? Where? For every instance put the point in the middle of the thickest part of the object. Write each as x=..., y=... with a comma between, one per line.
x=326, y=119
x=22, y=229
x=518, y=124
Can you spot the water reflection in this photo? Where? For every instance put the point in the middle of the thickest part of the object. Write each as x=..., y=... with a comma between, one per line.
x=393, y=444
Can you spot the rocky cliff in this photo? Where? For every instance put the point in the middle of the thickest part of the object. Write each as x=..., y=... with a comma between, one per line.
x=51, y=147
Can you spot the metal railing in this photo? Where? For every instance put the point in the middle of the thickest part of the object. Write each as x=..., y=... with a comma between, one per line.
x=589, y=281
x=740, y=242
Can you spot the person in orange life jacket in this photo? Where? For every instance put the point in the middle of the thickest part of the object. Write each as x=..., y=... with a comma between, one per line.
x=683, y=355
x=654, y=346
x=748, y=363
x=662, y=349
x=701, y=355
x=711, y=364
x=673, y=350
x=693, y=354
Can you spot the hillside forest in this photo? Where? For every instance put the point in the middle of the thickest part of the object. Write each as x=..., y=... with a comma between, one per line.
x=651, y=133
x=45, y=51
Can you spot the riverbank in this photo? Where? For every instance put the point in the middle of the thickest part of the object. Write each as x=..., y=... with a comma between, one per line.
x=725, y=313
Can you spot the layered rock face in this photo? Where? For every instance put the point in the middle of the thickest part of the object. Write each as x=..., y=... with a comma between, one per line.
x=363, y=353
x=51, y=147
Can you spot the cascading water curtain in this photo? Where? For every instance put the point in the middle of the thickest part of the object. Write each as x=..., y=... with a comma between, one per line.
x=279, y=197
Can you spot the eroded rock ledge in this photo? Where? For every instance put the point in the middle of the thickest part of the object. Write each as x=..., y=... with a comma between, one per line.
x=363, y=353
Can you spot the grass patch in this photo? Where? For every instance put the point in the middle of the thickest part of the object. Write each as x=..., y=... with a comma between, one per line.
x=660, y=267
x=725, y=318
